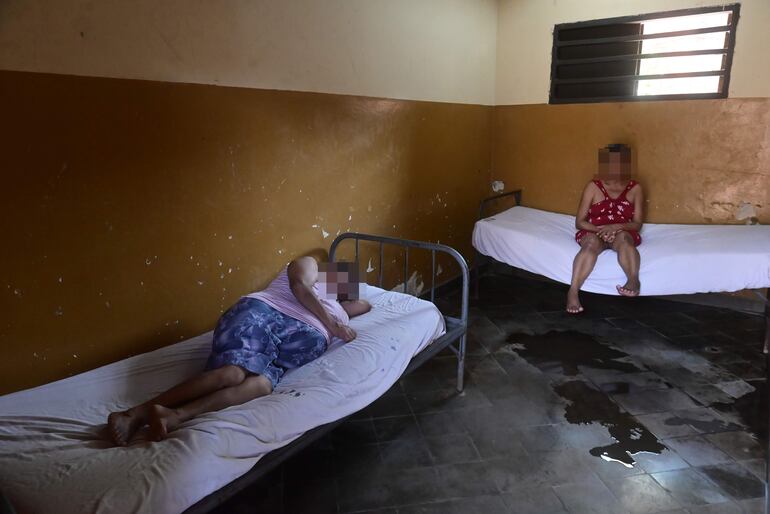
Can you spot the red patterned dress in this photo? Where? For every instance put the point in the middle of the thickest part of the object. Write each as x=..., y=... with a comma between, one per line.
x=612, y=210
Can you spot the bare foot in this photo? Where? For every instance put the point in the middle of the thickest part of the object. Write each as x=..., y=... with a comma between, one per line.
x=123, y=425
x=162, y=421
x=573, y=302
x=631, y=288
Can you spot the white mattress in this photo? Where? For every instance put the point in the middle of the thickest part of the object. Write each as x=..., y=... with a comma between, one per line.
x=52, y=458
x=675, y=259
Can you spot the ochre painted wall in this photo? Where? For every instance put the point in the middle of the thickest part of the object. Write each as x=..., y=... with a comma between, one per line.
x=697, y=160
x=134, y=212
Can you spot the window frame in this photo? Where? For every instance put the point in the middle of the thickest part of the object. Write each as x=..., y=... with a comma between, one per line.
x=734, y=9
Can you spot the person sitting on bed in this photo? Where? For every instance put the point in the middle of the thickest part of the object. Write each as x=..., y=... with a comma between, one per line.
x=260, y=337
x=609, y=216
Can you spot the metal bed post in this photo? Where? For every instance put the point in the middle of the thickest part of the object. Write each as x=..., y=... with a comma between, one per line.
x=455, y=328
x=477, y=256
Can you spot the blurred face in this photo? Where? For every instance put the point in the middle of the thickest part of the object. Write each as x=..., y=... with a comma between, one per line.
x=339, y=281
x=614, y=164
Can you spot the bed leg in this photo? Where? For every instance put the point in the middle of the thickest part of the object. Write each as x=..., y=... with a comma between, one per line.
x=767, y=321
x=477, y=262
x=461, y=365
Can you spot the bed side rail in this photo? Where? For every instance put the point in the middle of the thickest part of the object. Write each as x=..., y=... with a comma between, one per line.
x=407, y=244
x=483, y=204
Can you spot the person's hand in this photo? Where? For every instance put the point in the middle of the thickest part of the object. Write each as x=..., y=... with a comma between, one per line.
x=344, y=332
x=607, y=232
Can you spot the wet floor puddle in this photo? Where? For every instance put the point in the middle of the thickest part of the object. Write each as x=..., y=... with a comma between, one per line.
x=569, y=350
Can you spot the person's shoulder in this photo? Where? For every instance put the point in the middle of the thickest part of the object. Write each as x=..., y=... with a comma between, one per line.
x=306, y=260
x=591, y=187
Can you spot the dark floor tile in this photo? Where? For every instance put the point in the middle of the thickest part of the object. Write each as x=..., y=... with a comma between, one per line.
x=440, y=423
x=446, y=400
x=482, y=332
x=707, y=394
x=739, y=445
x=647, y=402
x=349, y=459
x=394, y=405
x=583, y=436
x=396, y=427
x=493, y=441
x=542, y=438
x=667, y=460
x=592, y=497
x=718, y=508
x=735, y=480
x=689, y=487
x=757, y=467
x=308, y=465
x=736, y=388
x=419, y=381
x=405, y=454
x=353, y=433
x=642, y=494
x=378, y=489
x=550, y=469
x=256, y=498
x=697, y=451
x=316, y=497
x=475, y=505
x=666, y=424
x=452, y=448
x=687, y=422
x=746, y=370
x=471, y=478
x=537, y=500
x=755, y=506
x=633, y=382
x=626, y=323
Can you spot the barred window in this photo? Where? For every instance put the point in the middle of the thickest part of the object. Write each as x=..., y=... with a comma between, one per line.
x=661, y=56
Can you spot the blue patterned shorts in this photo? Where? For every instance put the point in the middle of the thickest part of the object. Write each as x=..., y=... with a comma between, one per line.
x=263, y=341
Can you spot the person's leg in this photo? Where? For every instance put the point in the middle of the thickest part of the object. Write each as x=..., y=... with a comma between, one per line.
x=628, y=258
x=163, y=420
x=122, y=425
x=585, y=260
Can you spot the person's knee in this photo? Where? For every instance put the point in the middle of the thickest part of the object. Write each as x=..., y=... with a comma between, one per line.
x=259, y=385
x=231, y=375
x=591, y=243
x=622, y=239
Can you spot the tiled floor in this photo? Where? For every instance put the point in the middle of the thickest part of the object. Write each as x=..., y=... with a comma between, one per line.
x=546, y=395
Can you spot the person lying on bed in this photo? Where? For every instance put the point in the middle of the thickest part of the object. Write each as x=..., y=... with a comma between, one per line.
x=609, y=216
x=285, y=326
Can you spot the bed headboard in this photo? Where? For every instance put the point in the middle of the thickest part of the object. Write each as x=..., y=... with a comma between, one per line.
x=407, y=244
x=483, y=204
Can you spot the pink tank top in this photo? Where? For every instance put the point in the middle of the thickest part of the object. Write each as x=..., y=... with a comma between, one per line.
x=280, y=297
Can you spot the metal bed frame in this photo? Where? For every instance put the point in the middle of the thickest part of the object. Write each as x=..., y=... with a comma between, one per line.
x=479, y=258
x=454, y=338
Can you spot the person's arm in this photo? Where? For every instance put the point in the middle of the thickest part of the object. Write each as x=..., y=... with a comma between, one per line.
x=356, y=307
x=636, y=197
x=581, y=218
x=303, y=274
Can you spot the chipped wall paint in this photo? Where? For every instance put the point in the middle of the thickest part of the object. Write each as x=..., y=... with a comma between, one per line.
x=697, y=160
x=177, y=199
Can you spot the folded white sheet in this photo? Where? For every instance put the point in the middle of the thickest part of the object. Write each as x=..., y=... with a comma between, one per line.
x=53, y=459
x=675, y=259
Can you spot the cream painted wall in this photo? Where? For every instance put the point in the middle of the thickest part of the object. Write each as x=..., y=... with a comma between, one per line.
x=439, y=50
x=525, y=38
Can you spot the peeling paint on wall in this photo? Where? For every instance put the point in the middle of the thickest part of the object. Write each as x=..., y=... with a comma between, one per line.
x=414, y=285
